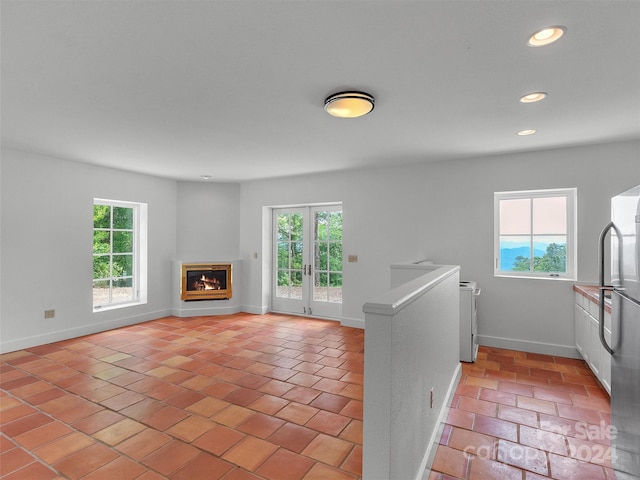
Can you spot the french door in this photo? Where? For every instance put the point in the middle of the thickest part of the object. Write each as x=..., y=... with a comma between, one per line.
x=307, y=261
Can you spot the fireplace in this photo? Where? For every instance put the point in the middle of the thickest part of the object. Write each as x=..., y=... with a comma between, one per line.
x=206, y=281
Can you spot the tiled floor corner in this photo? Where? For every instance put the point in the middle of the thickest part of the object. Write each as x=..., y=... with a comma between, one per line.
x=525, y=416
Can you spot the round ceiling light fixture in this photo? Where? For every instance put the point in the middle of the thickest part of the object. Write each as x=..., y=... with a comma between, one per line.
x=533, y=97
x=349, y=104
x=546, y=36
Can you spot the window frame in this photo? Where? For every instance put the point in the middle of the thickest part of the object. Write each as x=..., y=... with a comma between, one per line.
x=139, y=254
x=571, y=228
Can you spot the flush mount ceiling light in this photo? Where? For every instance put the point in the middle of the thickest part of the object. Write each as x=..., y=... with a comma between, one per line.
x=533, y=97
x=205, y=177
x=349, y=104
x=524, y=133
x=546, y=36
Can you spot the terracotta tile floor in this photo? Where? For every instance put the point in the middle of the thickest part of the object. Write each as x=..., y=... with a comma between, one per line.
x=525, y=416
x=236, y=397
x=274, y=397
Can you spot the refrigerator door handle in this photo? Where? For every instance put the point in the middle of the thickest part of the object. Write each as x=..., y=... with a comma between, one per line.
x=602, y=288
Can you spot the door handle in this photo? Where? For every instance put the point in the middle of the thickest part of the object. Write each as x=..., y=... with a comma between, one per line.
x=601, y=286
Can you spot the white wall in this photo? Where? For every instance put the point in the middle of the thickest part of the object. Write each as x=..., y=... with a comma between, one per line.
x=538, y=313
x=208, y=230
x=47, y=221
x=444, y=211
x=208, y=221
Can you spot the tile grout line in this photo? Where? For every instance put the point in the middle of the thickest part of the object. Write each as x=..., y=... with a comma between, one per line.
x=472, y=371
x=106, y=407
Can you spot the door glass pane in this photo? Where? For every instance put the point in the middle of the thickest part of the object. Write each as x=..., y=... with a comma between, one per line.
x=282, y=288
x=289, y=255
x=321, y=256
x=335, y=223
x=295, y=290
x=320, y=290
x=335, y=287
x=296, y=226
x=335, y=256
x=283, y=226
x=296, y=255
x=321, y=226
x=283, y=255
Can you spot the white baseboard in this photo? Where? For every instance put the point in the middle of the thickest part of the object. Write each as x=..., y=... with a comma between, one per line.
x=352, y=322
x=432, y=446
x=66, y=334
x=569, y=351
x=256, y=310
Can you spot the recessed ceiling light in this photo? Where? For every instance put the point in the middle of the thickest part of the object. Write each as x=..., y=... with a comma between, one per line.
x=546, y=36
x=349, y=104
x=533, y=97
x=524, y=133
x=205, y=177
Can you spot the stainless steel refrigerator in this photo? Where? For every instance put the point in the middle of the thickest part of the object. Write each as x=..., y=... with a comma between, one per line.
x=625, y=332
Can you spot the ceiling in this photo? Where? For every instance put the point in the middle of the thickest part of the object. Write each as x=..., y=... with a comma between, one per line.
x=235, y=89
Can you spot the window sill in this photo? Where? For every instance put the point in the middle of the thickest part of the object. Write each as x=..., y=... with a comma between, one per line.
x=117, y=306
x=536, y=277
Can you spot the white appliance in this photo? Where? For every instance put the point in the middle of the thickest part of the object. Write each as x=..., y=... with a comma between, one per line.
x=625, y=331
x=469, y=293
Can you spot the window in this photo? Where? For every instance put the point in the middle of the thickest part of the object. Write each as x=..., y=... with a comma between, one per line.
x=119, y=253
x=535, y=233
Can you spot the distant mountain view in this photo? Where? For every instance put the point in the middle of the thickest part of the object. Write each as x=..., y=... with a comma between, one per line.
x=508, y=256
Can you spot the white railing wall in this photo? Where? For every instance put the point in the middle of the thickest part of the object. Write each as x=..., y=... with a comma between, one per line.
x=411, y=370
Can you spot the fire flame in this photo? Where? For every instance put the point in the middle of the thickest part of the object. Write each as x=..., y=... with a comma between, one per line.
x=213, y=284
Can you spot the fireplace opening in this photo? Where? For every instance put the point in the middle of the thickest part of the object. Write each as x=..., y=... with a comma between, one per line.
x=206, y=281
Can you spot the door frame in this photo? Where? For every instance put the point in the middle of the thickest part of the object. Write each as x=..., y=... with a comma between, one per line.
x=306, y=306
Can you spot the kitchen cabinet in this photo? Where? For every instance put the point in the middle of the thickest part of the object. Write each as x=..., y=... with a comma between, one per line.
x=587, y=338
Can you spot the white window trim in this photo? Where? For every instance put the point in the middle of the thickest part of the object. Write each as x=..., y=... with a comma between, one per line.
x=571, y=195
x=140, y=263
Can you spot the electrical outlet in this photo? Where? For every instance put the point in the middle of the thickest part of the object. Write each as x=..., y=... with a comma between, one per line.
x=352, y=258
x=49, y=313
